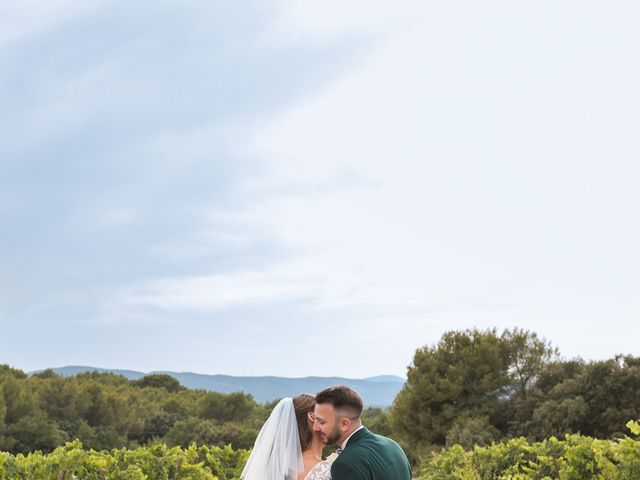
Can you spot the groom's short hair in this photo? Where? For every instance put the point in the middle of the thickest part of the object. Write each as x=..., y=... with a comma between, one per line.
x=343, y=399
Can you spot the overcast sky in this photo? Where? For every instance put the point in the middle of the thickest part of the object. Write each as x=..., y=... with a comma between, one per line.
x=314, y=188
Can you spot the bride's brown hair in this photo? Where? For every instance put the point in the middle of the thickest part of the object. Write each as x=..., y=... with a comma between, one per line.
x=303, y=404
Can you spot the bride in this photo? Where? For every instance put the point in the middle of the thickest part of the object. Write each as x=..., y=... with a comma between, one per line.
x=287, y=448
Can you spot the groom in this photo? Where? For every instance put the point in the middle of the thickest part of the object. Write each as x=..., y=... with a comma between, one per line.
x=365, y=455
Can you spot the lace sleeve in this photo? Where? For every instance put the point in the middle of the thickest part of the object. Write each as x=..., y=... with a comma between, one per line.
x=321, y=471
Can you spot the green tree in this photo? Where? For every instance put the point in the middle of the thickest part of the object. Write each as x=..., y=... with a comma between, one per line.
x=18, y=399
x=57, y=396
x=210, y=432
x=106, y=411
x=159, y=380
x=593, y=398
x=157, y=426
x=231, y=407
x=4, y=441
x=376, y=420
x=471, y=385
x=528, y=357
x=471, y=431
x=465, y=373
x=34, y=432
x=48, y=373
x=6, y=370
x=611, y=389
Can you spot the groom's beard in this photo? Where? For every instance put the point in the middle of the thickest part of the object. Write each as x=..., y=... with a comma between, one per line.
x=334, y=435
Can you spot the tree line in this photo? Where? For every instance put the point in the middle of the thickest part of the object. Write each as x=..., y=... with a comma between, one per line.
x=473, y=387
x=105, y=411
x=476, y=387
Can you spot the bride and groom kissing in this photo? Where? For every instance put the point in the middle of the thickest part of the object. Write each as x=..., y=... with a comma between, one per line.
x=290, y=443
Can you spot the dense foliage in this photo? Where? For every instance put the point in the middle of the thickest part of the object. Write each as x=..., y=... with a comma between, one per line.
x=477, y=387
x=157, y=462
x=470, y=390
x=108, y=411
x=576, y=457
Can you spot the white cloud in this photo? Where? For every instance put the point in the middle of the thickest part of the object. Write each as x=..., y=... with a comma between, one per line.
x=23, y=18
x=207, y=294
x=488, y=164
x=332, y=19
x=458, y=164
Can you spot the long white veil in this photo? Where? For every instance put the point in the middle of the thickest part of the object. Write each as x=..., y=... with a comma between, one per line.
x=276, y=455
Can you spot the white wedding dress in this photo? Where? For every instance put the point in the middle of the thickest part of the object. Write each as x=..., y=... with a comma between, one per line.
x=321, y=471
x=276, y=454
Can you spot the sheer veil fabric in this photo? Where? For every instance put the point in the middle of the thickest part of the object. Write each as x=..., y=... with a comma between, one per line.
x=276, y=454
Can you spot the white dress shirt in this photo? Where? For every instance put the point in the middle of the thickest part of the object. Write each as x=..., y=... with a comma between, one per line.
x=344, y=444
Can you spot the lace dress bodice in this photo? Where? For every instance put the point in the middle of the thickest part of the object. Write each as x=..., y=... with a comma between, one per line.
x=320, y=471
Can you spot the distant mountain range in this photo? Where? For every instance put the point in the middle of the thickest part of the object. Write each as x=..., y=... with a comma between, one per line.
x=376, y=391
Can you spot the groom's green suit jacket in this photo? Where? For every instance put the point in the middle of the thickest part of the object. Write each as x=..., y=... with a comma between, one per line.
x=368, y=456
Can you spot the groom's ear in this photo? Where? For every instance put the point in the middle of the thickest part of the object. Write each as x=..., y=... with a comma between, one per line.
x=345, y=423
x=311, y=416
